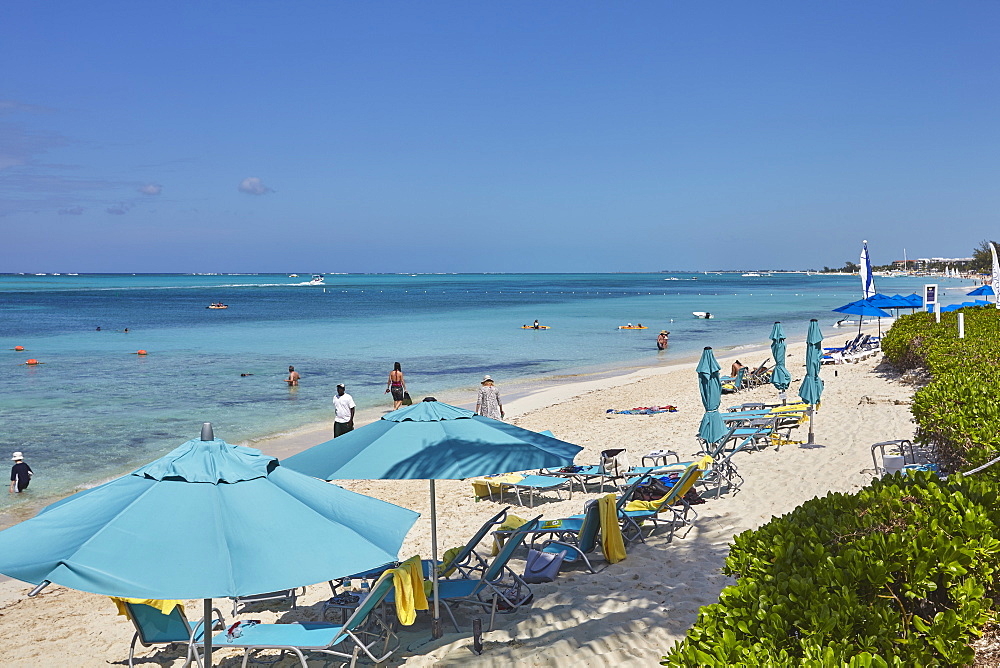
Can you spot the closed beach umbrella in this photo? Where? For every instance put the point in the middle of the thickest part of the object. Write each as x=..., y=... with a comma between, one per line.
x=432, y=441
x=712, y=427
x=780, y=377
x=209, y=520
x=812, y=385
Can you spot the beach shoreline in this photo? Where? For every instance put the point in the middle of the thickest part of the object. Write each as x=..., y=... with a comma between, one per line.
x=629, y=613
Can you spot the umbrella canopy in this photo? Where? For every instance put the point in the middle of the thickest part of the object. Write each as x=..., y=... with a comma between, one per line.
x=780, y=377
x=208, y=520
x=914, y=300
x=712, y=427
x=885, y=301
x=956, y=307
x=431, y=440
x=812, y=386
x=985, y=289
x=863, y=307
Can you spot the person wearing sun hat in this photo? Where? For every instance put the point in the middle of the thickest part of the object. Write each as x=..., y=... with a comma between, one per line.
x=488, y=404
x=661, y=340
x=20, y=474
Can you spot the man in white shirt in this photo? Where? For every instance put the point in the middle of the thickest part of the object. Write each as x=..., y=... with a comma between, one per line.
x=343, y=409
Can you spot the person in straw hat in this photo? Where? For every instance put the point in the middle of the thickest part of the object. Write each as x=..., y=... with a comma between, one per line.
x=488, y=404
x=20, y=474
x=661, y=340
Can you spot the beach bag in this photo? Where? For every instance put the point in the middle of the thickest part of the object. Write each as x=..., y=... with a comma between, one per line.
x=407, y=401
x=542, y=566
x=653, y=490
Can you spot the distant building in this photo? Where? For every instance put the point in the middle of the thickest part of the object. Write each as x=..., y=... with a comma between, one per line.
x=925, y=262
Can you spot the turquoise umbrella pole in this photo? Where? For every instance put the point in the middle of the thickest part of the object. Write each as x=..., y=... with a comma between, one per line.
x=712, y=427
x=436, y=630
x=780, y=377
x=812, y=386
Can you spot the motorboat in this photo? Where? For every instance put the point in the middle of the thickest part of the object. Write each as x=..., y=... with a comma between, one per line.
x=702, y=314
x=752, y=273
x=217, y=305
x=293, y=276
x=317, y=279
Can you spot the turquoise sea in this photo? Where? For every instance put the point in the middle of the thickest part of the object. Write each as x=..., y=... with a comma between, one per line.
x=94, y=409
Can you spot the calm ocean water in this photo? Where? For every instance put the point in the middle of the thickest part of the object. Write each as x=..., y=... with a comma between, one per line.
x=95, y=409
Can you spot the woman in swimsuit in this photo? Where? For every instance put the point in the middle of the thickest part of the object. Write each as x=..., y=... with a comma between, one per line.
x=396, y=385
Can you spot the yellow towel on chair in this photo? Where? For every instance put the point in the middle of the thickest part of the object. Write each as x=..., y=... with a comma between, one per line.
x=166, y=607
x=482, y=487
x=409, y=590
x=415, y=568
x=611, y=531
x=512, y=522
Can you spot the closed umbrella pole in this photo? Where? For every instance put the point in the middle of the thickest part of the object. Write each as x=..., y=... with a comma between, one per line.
x=812, y=386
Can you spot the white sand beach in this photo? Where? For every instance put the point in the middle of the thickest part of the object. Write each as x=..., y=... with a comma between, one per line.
x=629, y=613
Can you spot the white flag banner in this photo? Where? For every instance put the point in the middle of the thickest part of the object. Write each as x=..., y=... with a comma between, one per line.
x=996, y=276
x=867, y=280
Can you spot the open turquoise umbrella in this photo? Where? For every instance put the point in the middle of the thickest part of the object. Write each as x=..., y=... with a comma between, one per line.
x=812, y=385
x=780, y=377
x=208, y=520
x=712, y=427
x=431, y=440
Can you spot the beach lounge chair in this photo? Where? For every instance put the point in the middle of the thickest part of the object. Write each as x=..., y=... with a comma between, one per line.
x=732, y=384
x=535, y=484
x=498, y=588
x=153, y=627
x=672, y=501
x=290, y=595
x=362, y=632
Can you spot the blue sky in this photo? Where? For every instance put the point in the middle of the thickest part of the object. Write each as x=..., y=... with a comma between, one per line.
x=516, y=136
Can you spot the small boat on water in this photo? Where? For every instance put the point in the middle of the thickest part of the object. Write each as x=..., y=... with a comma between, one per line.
x=293, y=276
x=702, y=314
x=632, y=327
x=752, y=273
x=217, y=305
x=317, y=279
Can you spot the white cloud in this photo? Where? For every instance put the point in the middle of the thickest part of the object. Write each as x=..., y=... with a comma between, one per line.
x=151, y=189
x=253, y=186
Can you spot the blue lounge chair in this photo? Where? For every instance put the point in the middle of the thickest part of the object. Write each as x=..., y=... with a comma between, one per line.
x=360, y=634
x=152, y=627
x=534, y=484
x=499, y=584
x=733, y=383
x=290, y=595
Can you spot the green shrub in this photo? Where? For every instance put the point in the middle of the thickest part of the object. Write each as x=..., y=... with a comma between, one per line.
x=895, y=575
x=901, y=573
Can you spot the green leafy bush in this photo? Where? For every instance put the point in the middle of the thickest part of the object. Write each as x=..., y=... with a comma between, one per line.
x=901, y=573
x=958, y=412
x=895, y=575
